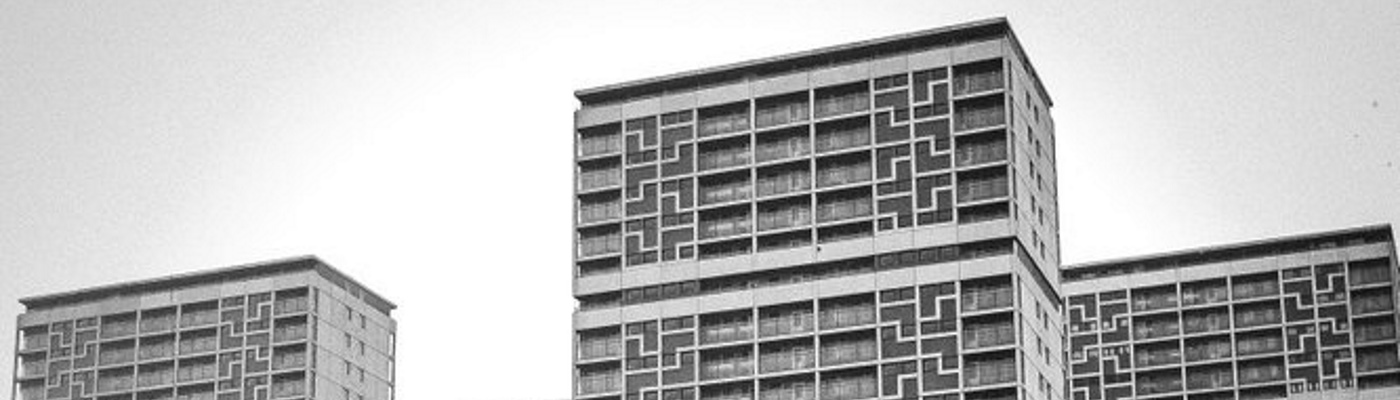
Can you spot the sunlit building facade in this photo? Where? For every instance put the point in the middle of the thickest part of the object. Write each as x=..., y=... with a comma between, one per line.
x=287, y=329
x=1301, y=317
x=869, y=220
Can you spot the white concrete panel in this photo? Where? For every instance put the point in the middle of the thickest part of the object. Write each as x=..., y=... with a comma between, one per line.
x=591, y=116
x=844, y=249
x=641, y=108
x=678, y=102
x=677, y=272
x=1376, y=250
x=784, y=84
x=923, y=60
x=982, y=267
x=726, y=301
x=598, y=283
x=936, y=273
x=783, y=294
x=939, y=235
x=597, y=318
x=845, y=285
x=978, y=51
x=784, y=258
x=640, y=276
x=896, y=278
x=898, y=240
x=889, y=66
x=641, y=312
x=984, y=230
x=724, y=266
x=679, y=307
x=723, y=94
x=156, y=300
x=848, y=73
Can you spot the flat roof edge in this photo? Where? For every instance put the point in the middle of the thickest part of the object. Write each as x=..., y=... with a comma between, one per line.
x=596, y=94
x=1230, y=246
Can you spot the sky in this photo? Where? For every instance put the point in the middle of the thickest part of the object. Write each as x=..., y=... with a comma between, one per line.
x=424, y=147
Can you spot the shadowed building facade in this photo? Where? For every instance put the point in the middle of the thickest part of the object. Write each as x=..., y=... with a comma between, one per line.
x=1302, y=317
x=286, y=329
x=869, y=220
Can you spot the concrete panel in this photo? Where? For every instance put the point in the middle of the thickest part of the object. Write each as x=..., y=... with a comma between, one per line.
x=726, y=302
x=724, y=94
x=1153, y=278
x=783, y=294
x=678, y=102
x=679, y=271
x=597, y=318
x=252, y=286
x=640, y=276
x=1202, y=272
x=598, y=284
x=1293, y=260
x=889, y=66
x=641, y=312
x=591, y=116
x=844, y=249
x=195, y=294
x=679, y=307
x=983, y=267
x=941, y=57
x=723, y=266
x=935, y=235
x=156, y=300
x=936, y=273
x=978, y=51
x=984, y=230
x=641, y=108
x=796, y=82
x=1328, y=256
x=1376, y=250
x=898, y=240
x=34, y=319
x=784, y=258
x=896, y=278
x=1252, y=265
x=848, y=73
x=845, y=285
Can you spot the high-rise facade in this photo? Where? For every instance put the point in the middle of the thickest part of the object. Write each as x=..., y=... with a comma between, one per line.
x=286, y=329
x=870, y=220
x=1302, y=317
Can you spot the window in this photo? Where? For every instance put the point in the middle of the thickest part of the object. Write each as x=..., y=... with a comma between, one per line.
x=362, y=321
x=347, y=340
x=362, y=347
x=349, y=313
x=347, y=367
x=362, y=375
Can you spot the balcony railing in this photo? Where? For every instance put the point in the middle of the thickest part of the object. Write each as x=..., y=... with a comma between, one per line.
x=289, y=332
x=786, y=324
x=1206, y=323
x=843, y=104
x=599, y=145
x=599, y=383
x=853, y=173
x=975, y=118
x=116, y=356
x=781, y=114
x=797, y=391
x=1154, y=302
x=727, y=368
x=1257, y=317
x=980, y=153
x=1155, y=358
x=285, y=360
x=787, y=360
x=838, y=140
x=782, y=149
x=849, y=388
x=1207, y=351
x=589, y=213
x=1369, y=303
x=982, y=189
x=115, y=383
x=725, y=227
x=1210, y=380
x=1154, y=386
x=843, y=210
x=1368, y=275
x=979, y=336
x=1376, y=360
x=1259, y=345
x=1260, y=373
x=1255, y=289
x=35, y=341
x=845, y=316
x=597, y=245
x=32, y=368
x=987, y=299
x=723, y=159
x=730, y=332
x=158, y=377
x=734, y=395
x=157, y=350
x=989, y=373
x=590, y=180
x=1373, y=332
x=785, y=183
x=722, y=124
x=848, y=352
x=288, y=388
x=199, y=344
x=1151, y=330
x=1204, y=295
x=589, y=349
x=784, y=218
x=725, y=193
x=977, y=82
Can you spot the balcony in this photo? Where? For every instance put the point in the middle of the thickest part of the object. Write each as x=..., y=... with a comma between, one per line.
x=728, y=392
x=850, y=388
x=153, y=348
x=158, y=321
x=157, y=375
x=848, y=351
x=1368, y=272
x=987, y=298
x=115, y=380
x=606, y=382
x=590, y=180
x=1372, y=301
x=840, y=210
x=289, y=357
x=841, y=100
x=843, y=174
x=599, y=347
x=120, y=326
x=599, y=245
x=1367, y=361
x=597, y=145
x=1208, y=350
x=724, y=119
x=783, y=111
x=978, y=114
x=199, y=314
x=1254, y=316
x=791, y=391
x=1154, y=299
x=787, y=359
x=844, y=136
x=734, y=190
x=1253, y=345
x=838, y=315
x=989, y=372
x=189, y=371
x=723, y=158
x=786, y=323
x=1253, y=289
x=1374, y=330
x=32, y=368
x=34, y=339
x=198, y=343
x=1165, y=384
x=980, y=153
x=1156, y=328
x=728, y=366
x=1215, y=378
x=723, y=329
x=590, y=213
x=284, y=386
x=1207, y=293
x=725, y=227
x=786, y=217
x=1259, y=373
x=788, y=147
x=976, y=336
x=783, y=183
x=1157, y=357
x=979, y=77
x=983, y=188
x=1206, y=322
x=289, y=330
x=117, y=353
x=196, y=394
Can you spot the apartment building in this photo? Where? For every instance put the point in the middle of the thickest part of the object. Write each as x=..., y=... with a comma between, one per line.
x=1302, y=317
x=285, y=329
x=868, y=220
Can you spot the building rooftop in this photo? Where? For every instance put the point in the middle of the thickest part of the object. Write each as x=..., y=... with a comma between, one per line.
x=832, y=55
x=237, y=272
x=1229, y=252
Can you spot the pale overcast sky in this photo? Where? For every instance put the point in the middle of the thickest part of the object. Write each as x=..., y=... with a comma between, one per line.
x=424, y=146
